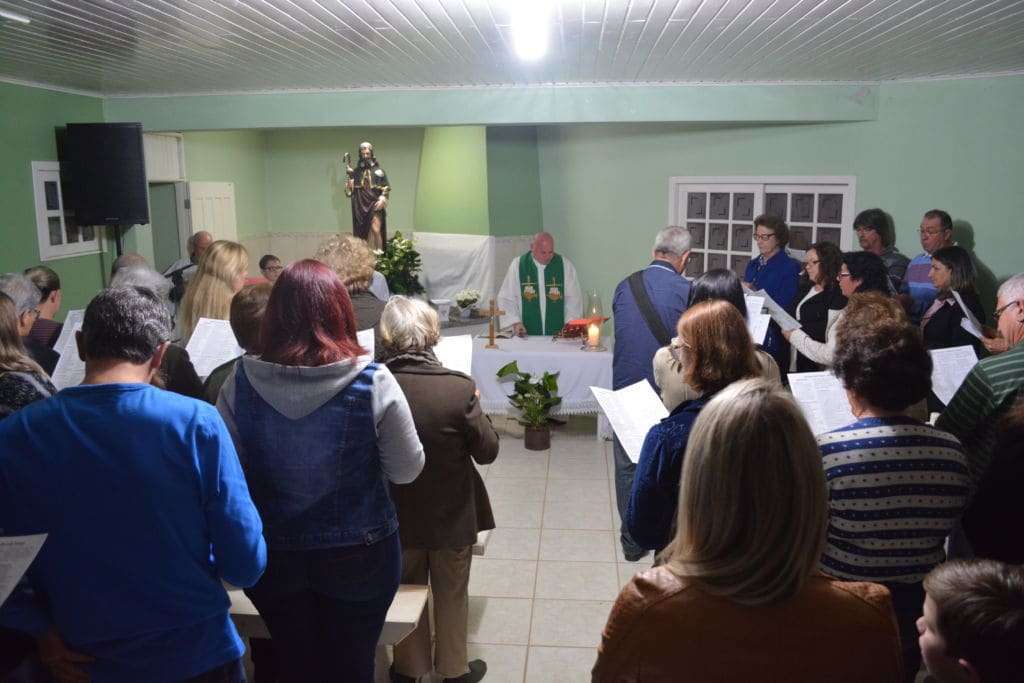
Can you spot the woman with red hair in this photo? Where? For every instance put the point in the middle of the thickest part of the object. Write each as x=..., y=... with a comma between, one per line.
x=320, y=431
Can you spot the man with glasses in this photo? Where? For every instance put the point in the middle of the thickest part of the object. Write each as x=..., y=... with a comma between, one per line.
x=26, y=297
x=877, y=236
x=916, y=289
x=271, y=267
x=974, y=414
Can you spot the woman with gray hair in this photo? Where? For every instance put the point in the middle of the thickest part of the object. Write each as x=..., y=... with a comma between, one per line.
x=441, y=512
x=177, y=373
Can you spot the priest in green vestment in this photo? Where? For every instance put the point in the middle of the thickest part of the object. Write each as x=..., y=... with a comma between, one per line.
x=540, y=292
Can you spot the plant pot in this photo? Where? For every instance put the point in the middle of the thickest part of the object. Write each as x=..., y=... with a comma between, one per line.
x=466, y=312
x=537, y=438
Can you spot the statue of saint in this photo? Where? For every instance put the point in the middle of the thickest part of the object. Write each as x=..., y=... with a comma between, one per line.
x=368, y=187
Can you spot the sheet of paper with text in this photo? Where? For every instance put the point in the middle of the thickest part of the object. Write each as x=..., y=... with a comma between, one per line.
x=632, y=411
x=456, y=353
x=822, y=398
x=16, y=554
x=211, y=345
x=949, y=370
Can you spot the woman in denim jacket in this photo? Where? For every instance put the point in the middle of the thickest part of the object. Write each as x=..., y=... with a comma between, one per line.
x=320, y=431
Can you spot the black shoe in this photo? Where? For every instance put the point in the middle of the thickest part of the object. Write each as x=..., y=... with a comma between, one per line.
x=477, y=670
x=399, y=678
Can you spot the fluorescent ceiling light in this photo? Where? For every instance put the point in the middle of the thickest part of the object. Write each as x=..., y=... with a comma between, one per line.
x=530, y=28
x=11, y=16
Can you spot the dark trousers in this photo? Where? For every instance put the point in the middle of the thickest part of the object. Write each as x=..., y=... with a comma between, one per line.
x=325, y=608
x=624, y=471
x=908, y=602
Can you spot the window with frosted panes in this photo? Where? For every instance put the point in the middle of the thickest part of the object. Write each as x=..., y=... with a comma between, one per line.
x=719, y=213
x=58, y=233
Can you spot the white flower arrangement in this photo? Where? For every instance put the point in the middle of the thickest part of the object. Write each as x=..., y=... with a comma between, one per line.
x=467, y=298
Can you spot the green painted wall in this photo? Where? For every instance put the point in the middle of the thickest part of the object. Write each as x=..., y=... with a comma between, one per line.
x=452, y=193
x=28, y=117
x=237, y=156
x=502, y=105
x=513, y=180
x=948, y=144
x=305, y=177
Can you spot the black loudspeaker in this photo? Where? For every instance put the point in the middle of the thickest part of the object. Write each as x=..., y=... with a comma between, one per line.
x=104, y=172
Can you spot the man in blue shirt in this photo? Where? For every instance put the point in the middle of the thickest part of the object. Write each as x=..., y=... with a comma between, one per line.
x=641, y=328
x=146, y=509
x=917, y=291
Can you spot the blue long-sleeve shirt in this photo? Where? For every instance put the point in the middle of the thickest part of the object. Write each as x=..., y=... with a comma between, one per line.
x=655, y=495
x=146, y=509
x=635, y=345
x=779, y=277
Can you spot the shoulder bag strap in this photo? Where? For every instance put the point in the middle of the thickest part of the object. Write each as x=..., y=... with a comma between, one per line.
x=643, y=302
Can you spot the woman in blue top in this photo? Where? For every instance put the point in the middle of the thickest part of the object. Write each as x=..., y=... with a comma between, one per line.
x=719, y=351
x=777, y=274
x=320, y=431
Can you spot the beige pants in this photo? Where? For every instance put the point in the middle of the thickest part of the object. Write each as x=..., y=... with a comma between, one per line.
x=448, y=574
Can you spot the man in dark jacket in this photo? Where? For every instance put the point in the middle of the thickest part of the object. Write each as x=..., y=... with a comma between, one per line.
x=642, y=326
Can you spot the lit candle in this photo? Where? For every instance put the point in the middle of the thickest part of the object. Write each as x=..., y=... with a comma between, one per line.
x=593, y=336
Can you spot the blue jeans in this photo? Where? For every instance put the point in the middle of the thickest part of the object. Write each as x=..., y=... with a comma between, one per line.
x=325, y=608
x=624, y=471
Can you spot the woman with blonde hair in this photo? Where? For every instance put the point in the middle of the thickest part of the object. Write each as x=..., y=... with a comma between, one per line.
x=739, y=597
x=719, y=351
x=22, y=381
x=352, y=261
x=221, y=274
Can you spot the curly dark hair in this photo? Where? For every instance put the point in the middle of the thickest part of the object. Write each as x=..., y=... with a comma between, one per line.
x=884, y=362
x=869, y=269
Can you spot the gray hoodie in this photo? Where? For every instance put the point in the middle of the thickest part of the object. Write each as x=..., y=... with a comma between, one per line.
x=296, y=391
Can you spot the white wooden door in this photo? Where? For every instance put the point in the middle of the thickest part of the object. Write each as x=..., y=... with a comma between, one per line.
x=212, y=208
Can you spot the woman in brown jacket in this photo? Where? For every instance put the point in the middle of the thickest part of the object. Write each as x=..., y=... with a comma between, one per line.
x=441, y=512
x=739, y=597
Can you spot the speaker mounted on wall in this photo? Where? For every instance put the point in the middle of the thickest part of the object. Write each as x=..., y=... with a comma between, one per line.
x=104, y=165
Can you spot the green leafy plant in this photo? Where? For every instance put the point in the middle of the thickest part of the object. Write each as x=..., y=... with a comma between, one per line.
x=533, y=398
x=400, y=264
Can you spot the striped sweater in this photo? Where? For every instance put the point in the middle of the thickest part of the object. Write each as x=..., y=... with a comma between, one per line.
x=896, y=487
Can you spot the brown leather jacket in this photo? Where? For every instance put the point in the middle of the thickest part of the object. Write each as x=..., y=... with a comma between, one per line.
x=664, y=629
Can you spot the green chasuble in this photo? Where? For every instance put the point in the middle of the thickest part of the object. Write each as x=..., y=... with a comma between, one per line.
x=553, y=288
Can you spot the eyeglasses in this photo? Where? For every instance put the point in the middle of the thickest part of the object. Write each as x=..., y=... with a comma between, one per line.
x=998, y=311
x=274, y=269
x=842, y=275
x=763, y=236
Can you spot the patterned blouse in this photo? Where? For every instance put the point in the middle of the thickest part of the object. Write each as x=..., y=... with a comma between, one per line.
x=18, y=389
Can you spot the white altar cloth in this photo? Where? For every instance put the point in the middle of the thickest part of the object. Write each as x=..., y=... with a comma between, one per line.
x=579, y=370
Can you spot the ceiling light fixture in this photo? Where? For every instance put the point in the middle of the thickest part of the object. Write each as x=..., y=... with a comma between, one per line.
x=6, y=15
x=530, y=28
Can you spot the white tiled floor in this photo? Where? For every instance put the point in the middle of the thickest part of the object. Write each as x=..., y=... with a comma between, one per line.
x=541, y=593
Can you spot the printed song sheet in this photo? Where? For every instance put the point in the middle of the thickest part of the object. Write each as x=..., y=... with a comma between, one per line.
x=970, y=322
x=823, y=400
x=778, y=314
x=367, y=341
x=950, y=368
x=16, y=554
x=755, y=304
x=70, y=370
x=456, y=353
x=211, y=345
x=632, y=411
x=758, y=326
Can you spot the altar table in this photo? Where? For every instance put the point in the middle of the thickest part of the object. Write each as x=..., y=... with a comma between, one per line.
x=578, y=371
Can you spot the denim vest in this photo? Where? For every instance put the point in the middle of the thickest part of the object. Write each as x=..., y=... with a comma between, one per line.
x=316, y=481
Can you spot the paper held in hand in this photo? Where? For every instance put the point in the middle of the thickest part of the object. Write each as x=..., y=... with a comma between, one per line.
x=950, y=368
x=16, y=554
x=367, y=341
x=211, y=345
x=70, y=369
x=456, y=353
x=822, y=399
x=778, y=314
x=969, y=322
x=632, y=411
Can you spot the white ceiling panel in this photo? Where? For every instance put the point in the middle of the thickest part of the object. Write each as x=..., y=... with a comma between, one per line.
x=197, y=46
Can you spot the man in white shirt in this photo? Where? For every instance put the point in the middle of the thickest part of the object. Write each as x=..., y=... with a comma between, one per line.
x=540, y=292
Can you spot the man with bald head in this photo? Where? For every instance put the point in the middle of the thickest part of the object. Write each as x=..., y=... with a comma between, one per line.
x=182, y=270
x=540, y=292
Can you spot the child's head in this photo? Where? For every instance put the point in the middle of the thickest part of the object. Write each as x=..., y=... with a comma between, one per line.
x=246, y=316
x=973, y=623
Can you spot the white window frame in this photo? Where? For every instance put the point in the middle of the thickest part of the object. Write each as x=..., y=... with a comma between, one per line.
x=845, y=185
x=42, y=173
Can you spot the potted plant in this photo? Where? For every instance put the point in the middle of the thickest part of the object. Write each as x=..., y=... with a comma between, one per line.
x=465, y=300
x=534, y=399
x=399, y=263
